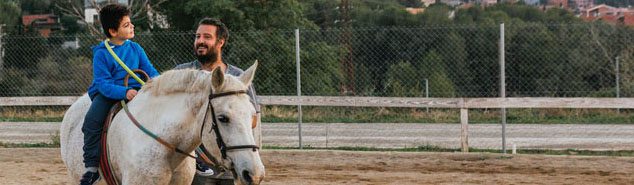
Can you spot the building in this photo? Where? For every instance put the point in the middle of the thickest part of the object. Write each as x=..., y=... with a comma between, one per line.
x=486, y=2
x=45, y=24
x=608, y=14
x=414, y=11
x=531, y=2
x=580, y=4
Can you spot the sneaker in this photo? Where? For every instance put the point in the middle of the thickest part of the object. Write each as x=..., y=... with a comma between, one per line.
x=89, y=178
x=203, y=170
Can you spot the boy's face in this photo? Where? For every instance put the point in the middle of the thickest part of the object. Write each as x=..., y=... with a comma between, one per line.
x=125, y=30
x=207, y=46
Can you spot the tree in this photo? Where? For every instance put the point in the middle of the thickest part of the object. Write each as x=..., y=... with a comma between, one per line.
x=35, y=6
x=237, y=15
x=411, y=3
x=9, y=19
x=403, y=80
x=432, y=67
x=437, y=14
x=9, y=16
x=139, y=10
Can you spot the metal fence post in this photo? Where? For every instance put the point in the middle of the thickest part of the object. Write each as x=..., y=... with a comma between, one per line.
x=427, y=91
x=1, y=52
x=618, y=79
x=299, y=89
x=502, y=86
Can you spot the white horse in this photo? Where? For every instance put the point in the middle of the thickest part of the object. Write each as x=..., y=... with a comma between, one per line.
x=174, y=106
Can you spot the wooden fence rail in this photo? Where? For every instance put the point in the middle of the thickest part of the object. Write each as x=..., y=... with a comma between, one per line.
x=464, y=104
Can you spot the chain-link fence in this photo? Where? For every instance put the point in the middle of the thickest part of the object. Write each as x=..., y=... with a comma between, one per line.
x=542, y=60
x=454, y=61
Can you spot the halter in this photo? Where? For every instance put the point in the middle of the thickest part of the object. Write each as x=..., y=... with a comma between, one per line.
x=214, y=126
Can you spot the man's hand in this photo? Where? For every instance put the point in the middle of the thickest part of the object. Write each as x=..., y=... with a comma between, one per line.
x=130, y=94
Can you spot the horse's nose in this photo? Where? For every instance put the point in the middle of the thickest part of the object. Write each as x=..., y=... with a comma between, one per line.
x=250, y=178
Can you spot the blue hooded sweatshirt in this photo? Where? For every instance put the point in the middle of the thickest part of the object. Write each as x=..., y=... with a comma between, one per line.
x=108, y=75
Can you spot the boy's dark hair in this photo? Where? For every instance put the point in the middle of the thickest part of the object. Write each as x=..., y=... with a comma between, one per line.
x=111, y=15
x=221, y=32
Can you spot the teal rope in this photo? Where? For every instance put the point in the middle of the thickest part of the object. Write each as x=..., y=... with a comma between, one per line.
x=146, y=131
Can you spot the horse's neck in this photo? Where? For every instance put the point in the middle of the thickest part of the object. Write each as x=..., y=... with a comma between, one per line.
x=175, y=118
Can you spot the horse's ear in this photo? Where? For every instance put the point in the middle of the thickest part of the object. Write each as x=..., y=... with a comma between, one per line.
x=217, y=78
x=247, y=76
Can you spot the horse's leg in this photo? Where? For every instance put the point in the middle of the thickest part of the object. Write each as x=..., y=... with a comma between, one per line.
x=184, y=173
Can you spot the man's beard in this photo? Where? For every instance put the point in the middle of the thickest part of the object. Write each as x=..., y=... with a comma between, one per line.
x=206, y=58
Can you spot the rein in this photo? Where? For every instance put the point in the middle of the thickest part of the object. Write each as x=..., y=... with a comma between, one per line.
x=205, y=154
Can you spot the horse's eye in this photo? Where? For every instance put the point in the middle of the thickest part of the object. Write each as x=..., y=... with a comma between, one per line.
x=223, y=118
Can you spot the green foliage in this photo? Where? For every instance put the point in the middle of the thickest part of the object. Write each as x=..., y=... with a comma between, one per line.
x=321, y=73
x=437, y=14
x=411, y=3
x=403, y=80
x=238, y=15
x=324, y=13
x=13, y=82
x=36, y=6
x=9, y=15
x=458, y=54
x=432, y=67
x=70, y=25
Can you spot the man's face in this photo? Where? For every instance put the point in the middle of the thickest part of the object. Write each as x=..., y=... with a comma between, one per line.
x=125, y=30
x=207, y=46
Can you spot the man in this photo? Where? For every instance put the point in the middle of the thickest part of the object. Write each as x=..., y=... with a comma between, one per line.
x=211, y=36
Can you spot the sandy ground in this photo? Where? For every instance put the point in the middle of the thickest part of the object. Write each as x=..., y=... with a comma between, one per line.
x=44, y=166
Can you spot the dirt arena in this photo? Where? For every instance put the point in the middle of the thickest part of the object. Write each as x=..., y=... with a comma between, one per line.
x=44, y=166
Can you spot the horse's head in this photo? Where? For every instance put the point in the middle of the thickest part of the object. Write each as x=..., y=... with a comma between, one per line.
x=234, y=114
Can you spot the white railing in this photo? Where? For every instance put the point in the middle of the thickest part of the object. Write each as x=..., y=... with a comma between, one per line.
x=464, y=104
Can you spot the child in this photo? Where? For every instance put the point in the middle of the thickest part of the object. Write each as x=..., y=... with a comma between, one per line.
x=107, y=84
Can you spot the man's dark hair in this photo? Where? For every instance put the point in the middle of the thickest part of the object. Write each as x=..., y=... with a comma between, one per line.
x=111, y=15
x=221, y=32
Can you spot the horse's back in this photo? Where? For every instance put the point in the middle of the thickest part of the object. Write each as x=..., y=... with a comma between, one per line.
x=71, y=137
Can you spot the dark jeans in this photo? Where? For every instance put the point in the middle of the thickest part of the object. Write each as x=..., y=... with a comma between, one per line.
x=93, y=125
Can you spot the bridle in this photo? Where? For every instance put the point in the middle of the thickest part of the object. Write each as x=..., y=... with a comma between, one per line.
x=214, y=127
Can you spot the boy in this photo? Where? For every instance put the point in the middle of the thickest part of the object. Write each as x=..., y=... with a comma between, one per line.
x=107, y=84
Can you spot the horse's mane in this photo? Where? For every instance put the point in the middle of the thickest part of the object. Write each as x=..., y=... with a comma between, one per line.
x=189, y=81
x=180, y=81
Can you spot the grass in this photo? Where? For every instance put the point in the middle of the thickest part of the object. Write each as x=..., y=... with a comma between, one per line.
x=424, y=148
x=273, y=114
x=32, y=113
x=430, y=148
x=276, y=114
x=54, y=143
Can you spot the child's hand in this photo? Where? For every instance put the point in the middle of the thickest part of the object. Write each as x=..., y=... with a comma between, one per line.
x=130, y=94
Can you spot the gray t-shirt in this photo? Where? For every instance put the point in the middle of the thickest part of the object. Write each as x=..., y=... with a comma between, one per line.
x=232, y=70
